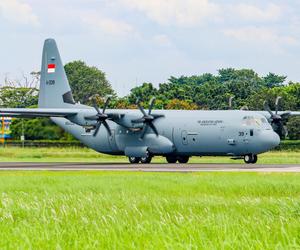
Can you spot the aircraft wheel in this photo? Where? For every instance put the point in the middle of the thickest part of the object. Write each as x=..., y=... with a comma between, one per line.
x=183, y=159
x=254, y=159
x=250, y=159
x=171, y=159
x=134, y=160
x=146, y=159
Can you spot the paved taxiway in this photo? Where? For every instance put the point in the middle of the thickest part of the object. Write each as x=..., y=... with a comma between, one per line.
x=151, y=167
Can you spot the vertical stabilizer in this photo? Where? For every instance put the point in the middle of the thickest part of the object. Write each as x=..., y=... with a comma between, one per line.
x=55, y=91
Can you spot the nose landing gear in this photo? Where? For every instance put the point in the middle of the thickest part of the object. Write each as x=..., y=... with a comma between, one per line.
x=250, y=159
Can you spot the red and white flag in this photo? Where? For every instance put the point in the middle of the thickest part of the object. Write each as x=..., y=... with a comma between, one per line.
x=51, y=68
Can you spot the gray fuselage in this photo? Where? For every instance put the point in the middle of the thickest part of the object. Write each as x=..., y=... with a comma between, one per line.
x=193, y=133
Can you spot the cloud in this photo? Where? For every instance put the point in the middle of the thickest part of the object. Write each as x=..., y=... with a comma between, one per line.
x=175, y=12
x=18, y=12
x=253, y=13
x=259, y=35
x=162, y=40
x=111, y=26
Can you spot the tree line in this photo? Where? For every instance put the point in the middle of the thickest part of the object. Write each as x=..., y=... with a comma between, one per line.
x=206, y=91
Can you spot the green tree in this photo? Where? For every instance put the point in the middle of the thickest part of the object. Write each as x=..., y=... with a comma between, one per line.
x=226, y=74
x=87, y=81
x=194, y=80
x=241, y=84
x=272, y=80
x=293, y=126
x=290, y=97
x=181, y=104
x=144, y=92
x=18, y=97
x=212, y=92
x=293, y=90
x=36, y=129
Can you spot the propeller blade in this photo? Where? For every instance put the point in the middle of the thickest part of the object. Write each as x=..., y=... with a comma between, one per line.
x=97, y=128
x=285, y=131
x=277, y=104
x=230, y=102
x=285, y=115
x=107, y=128
x=106, y=104
x=147, y=119
x=96, y=107
x=156, y=116
x=140, y=107
x=151, y=125
x=151, y=104
x=145, y=128
x=267, y=108
x=244, y=108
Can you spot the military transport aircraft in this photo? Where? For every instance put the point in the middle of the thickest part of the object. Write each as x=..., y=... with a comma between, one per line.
x=141, y=134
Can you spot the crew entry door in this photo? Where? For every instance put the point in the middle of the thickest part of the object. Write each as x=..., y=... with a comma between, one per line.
x=184, y=137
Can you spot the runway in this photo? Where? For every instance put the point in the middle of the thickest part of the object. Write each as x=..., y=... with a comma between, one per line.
x=183, y=168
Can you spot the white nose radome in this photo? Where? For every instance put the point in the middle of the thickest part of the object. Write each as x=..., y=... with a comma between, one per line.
x=270, y=139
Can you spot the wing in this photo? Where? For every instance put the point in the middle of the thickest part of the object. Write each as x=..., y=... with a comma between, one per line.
x=283, y=114
x=39, y=112
x=292, y=113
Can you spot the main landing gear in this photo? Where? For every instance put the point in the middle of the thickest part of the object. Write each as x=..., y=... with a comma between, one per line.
x=134, y=160
x=170, y=159
x=145, y=160
x=250, y=159
x=180, y=159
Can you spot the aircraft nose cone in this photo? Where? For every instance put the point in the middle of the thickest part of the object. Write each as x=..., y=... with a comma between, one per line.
x=271, y=139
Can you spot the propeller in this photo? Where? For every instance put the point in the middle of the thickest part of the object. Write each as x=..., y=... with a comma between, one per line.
x=148, y=118
x=244, y=108
x=277, y=104
x=277, y=121
x=274, y=116
x=100, y=117
x=230, y=102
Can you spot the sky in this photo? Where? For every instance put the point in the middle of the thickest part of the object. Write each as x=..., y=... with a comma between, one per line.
x=135, y=41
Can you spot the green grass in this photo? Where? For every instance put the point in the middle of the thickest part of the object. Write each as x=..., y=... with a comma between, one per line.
x=117, y=210
x=68, y=154
x=12, y=154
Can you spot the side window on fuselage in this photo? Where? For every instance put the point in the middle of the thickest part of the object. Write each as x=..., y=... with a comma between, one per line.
x=251, y=132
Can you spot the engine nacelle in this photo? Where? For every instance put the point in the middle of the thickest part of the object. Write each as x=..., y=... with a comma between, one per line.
x=80, y=120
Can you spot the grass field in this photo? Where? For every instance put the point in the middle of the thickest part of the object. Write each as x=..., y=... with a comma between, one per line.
x=87, y=155
x=113, y=210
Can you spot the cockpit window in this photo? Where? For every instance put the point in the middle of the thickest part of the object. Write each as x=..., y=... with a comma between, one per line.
x=253, y=121
x=264, y=120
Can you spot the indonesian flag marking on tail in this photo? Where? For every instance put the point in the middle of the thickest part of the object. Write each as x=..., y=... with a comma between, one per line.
x=51, y=68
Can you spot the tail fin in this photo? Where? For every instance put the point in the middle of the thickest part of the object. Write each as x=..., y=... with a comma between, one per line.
x=55, y=91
